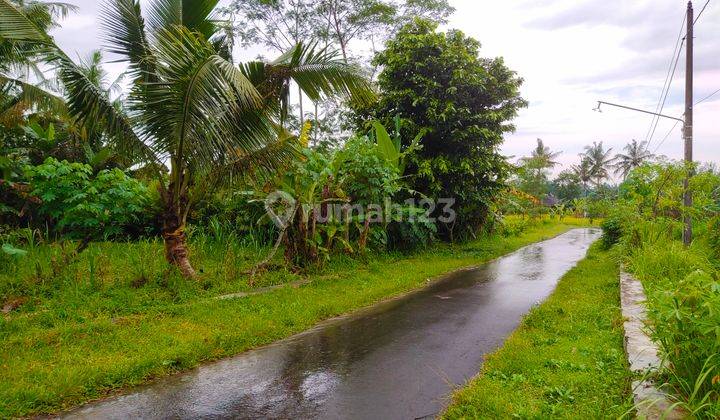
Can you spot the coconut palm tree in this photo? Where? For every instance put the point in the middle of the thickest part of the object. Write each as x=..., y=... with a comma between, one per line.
x=636, y=154
x=533, y=171
x=541, y=157
x=583, y=170
x=23, y=86
x=190, y=108
x=599, y=160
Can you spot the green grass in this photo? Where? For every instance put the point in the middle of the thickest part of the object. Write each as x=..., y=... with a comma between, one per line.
x=682, y=285
x=117, y=318
x=565, y=361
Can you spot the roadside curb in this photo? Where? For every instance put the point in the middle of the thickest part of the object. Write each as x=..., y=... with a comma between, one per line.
x=642, y=353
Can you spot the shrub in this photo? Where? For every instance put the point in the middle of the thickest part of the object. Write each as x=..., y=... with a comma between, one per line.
x=364, y=175
x=714, y=235
x=82, y=205
x=413, y=230
x=514, y=226
x=612, y=228
x=686, y=323
x=237, y=213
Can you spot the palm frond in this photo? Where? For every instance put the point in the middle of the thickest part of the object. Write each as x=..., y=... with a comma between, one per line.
x=124, y=27
x=322, y=72
x=204, y=106
x=319, y=73
x=45, y=14
x=29, y=96
x=89, y=105
x=16, y=26
x=196, y=15
x=258, y=165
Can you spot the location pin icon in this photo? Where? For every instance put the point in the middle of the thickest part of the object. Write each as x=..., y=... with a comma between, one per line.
x=280, y=207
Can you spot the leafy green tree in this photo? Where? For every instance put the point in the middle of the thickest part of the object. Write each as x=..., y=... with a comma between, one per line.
x=635, y=155
x=276, y=24
x=567, y=186
x=372, y=19
x=189, y=106
x=280, y=24
x=437, y=83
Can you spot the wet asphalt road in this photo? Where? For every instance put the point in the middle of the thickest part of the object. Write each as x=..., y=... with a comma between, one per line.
x=396, y=360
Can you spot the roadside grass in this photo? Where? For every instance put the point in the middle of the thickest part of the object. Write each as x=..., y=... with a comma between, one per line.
x=682, y=285
x=117, y=318
x=566, y=360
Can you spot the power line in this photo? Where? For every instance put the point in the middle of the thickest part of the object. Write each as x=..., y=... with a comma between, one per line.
x=664, y=99
x=696, y=103
x=701, y=12
x=678, y=122
x=707, y=97
x=666, y=137
x=666, y=85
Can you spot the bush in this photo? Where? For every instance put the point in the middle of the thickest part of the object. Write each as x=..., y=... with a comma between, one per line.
x=79, y=204
x=514, y=226
x=686, y=323
x=714, y=235
x=683, y=296
x=236, y=213
x=612, y=228
x=364, y=175
x=412, y=231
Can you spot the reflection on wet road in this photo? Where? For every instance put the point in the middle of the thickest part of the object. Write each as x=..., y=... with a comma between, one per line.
x=397, y=360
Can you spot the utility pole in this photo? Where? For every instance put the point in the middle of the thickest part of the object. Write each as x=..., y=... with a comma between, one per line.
x=688, y=126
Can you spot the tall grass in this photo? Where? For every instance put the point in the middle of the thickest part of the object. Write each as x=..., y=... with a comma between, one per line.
x=683, y=290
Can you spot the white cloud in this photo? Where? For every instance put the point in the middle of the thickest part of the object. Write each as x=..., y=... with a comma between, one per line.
x=573, y=53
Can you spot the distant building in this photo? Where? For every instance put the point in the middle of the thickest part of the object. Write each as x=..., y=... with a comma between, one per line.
x=550, y=201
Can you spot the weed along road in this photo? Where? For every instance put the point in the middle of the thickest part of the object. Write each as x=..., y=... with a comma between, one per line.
x=396, y=360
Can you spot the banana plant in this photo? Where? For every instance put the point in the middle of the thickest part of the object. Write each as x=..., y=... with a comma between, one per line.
x=43, y=139
x=391, y=147
x=211, y=121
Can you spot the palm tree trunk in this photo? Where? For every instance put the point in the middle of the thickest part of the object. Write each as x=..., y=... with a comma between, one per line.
x=173, y=232
x=302, y=114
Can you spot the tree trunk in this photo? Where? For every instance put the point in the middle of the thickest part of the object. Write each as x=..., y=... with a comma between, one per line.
x=302, y=114
x=173, y=233
x=316, y=129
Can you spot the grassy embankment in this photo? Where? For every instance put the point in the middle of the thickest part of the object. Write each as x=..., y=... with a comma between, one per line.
x=682, y=285
x=116, y=317
x=566, y=360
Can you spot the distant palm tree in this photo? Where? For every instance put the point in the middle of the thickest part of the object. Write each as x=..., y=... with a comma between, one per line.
x=540, y=160
x=636, y=155
x=583, y=170
x=541, y=157
x=534, y=169
x=599, y=160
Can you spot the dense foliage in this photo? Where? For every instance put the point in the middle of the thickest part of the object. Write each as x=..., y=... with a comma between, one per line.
x=437, y=83
x=88, y=206
x=682, y=283
x=203, y=153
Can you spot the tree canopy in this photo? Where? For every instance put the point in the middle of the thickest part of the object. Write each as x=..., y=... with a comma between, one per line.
x=439, y=85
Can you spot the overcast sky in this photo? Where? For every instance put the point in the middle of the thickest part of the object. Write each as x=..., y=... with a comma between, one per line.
x=571, y=54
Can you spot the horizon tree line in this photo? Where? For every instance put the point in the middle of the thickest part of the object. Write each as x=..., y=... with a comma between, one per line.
x=595, y=167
